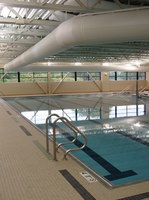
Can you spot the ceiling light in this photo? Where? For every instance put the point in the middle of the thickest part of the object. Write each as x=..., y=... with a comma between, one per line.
x=78, y=63
x=50, y=63
x=105, y=64
x=137, y=63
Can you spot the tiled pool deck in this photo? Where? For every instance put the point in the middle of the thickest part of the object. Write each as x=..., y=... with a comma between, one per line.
x=28, y=173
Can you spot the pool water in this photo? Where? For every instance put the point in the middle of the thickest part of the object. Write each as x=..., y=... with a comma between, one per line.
x=117, y=158
x=117, y=129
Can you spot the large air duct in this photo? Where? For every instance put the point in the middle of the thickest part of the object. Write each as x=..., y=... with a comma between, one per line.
x=86, y=67
x=108, y=27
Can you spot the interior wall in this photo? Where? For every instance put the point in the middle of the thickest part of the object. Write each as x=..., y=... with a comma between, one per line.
x=14, y=89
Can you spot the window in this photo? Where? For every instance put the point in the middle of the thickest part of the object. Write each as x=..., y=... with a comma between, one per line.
x=69, y=77
x=95, y=75
x=127, y=76
x=26, y=77
x=113, y=76
x=131, y=76
x=84, y=76
x=75, y=76
x=142, y=75
x=11, y=77
x=40, y=76
x=121, y=76
x=1, y=74
x=56, y=76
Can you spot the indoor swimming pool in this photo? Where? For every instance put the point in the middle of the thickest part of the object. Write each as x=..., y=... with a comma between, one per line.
x=116, y=126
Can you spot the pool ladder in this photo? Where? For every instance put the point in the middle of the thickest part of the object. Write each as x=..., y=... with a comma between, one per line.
x=69, y=125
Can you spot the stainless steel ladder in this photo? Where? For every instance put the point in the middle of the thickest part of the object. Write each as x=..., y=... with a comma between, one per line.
x=71, y=126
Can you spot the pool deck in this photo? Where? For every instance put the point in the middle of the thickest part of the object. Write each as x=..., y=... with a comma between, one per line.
x=28, y=173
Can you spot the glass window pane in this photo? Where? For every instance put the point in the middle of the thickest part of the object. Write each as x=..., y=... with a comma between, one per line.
x=56, y=76
x=82, y=76
x=69, y=77
x=112, y=74
x=1, y=74
x=11, y=77
x=26, y=76
x=40, y=76
x=119, y=78
x=142, y=76
x=121, y=74
x=95, y=75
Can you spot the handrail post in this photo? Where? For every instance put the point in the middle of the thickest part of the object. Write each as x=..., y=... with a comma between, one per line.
x=71, y=126
x=47, y=137
x=54, y=142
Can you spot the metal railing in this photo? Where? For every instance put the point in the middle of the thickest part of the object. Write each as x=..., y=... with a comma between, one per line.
x=69, y=125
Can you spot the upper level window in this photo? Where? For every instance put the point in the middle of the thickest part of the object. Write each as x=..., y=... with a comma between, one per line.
x=14, y=77
x=74, y=76
x=127, y=76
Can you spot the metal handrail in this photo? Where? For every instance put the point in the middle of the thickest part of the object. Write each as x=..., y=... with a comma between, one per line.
x=47, y=125
x=72, y=127
x=65, y=122
x=76, y=149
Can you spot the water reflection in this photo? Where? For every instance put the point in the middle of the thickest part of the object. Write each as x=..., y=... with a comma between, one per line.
x=82, y=114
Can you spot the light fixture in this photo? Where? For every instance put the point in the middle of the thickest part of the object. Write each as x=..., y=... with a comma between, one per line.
x=137, y=63
x=105, y=64
x=50, y=63
x=77, y=63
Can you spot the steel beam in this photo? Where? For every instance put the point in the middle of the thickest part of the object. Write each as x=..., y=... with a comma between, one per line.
x=28, y=22
x=47, y=6
x=23, y=32
x=20, y=41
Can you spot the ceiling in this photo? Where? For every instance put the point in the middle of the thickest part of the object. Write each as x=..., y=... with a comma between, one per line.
x=23, y=23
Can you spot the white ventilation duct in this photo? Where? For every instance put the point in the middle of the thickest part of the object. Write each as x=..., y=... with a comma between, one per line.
x=108, y=27
x=85, y=67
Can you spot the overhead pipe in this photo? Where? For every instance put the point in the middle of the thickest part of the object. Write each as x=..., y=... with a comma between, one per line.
x=98, y=28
